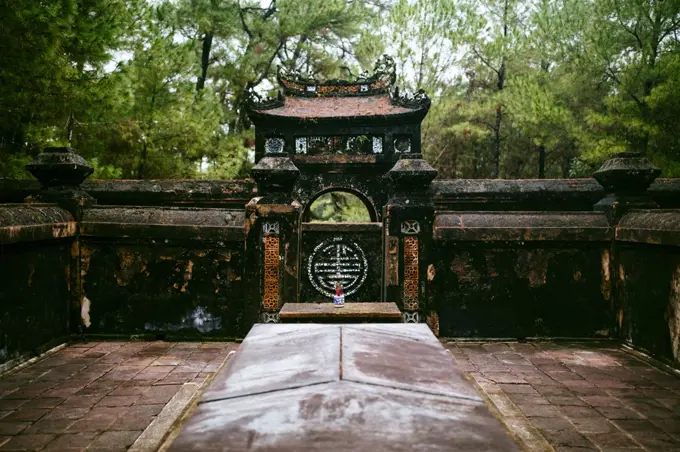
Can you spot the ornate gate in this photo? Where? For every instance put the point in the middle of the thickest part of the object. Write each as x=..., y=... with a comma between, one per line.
x=359, y=136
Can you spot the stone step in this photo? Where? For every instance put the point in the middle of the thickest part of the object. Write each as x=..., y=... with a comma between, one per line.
x=350, y=313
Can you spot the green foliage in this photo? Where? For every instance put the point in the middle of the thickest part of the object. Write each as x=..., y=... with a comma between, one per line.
x=337, y=206
x=572, y=81
x=520, y=88
x=148, y=89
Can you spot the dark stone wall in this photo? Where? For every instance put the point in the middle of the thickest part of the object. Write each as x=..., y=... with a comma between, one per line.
x=175, y=288
x=522, y=274
x=175, y=262
x=647, y=282
x=36, y=245
x=517, y=290
x=162, y=271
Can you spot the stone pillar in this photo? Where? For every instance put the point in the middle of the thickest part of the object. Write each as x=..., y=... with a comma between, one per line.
x=625, y=178
x=60, y=172
x=408, y=221
x=272, y=238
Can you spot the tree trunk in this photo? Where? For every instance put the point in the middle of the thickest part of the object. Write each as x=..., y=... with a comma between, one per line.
x=141, y=168
x=497, y=143
x=205, y=60
x=541, y=162
x=499, y=108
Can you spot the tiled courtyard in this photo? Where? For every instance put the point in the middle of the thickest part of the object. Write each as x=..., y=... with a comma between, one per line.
x=100, y=395
x=127, y=395
x=577, y=397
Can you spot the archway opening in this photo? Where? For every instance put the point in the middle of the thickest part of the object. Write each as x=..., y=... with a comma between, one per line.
x=338, y=206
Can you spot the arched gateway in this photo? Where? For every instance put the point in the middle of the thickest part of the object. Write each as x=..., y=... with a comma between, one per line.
x=358, y=136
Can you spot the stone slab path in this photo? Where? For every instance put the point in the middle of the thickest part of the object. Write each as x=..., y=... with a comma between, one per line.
x=103, y=395
x=357, y=387
x=576, y=397
x=564, y=397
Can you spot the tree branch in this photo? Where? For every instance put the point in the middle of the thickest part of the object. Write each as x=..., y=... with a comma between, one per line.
x=486, y=62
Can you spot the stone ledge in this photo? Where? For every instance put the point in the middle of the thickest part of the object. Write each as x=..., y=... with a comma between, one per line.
x=523, y=226
x=33, y=222
x=292, y=312
x=654, y=227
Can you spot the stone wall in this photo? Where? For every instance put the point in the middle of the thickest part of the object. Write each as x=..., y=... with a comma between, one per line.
x=37, y=243
x=458, y=194
x=510, y=259
x=162, y=270
x=646, y=273
x=522, y=274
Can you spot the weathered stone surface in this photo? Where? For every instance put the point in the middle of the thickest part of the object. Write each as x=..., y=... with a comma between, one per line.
x=385, y=357
x=347, y=415
x=647, y=277
x=232, y=194
x=275, y=177
x=171, y=216
x=344, y=417
x=196, y=224
x=267, y=362
x=522, y=289
x=60, y=172
x=328, y=311
x=25, y=223
x=656, y=227
x=522, y=226
x=458, y=194
x=411, y=173
x=142, y=284
x=35, y=283
x=625, y=178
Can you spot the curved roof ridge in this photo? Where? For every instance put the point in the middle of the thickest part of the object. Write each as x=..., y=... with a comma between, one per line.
x=380, y=81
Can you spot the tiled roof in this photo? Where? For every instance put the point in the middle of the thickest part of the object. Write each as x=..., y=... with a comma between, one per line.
x=337, y=107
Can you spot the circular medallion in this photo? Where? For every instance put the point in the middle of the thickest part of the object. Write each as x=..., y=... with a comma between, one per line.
x=338, y=260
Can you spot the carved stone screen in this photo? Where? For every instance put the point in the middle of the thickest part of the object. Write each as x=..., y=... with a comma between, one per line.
x=337, y=260
x=352, y=258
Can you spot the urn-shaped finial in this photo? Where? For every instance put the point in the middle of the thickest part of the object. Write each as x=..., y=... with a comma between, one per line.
x=275, y=175
x=625, y=178
x=411, y=172
x=59, y=167
x=627, y=173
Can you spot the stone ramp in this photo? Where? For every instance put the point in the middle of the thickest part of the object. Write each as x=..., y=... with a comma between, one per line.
x=387, y=387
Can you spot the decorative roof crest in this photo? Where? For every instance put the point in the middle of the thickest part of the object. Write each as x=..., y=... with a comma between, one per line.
x=366, y=84
x=255, y=100
x=416, y=101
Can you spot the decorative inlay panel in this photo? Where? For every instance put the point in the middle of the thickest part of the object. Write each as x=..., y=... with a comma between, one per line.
x=270, y=317
x=270, y=228
x=271, y=273
x=340, y=260
x=402, y=144
x=274, y=145
x=410, y=227
x=377, y=145
x=411, y=273
x=410, y=317
x=301, y=145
